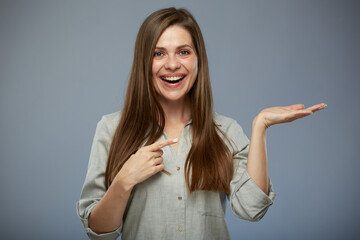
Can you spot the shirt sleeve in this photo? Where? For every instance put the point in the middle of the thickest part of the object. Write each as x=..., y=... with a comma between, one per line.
x=94, y=185
x=247, y=200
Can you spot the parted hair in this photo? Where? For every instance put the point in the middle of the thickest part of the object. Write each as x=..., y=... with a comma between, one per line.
x=209, y=163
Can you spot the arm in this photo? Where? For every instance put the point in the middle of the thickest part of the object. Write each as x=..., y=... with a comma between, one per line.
x=94, y=186
x=247, y=200
x=257, y=166
x=100, y=210
x=107, y=215
x=251, y=189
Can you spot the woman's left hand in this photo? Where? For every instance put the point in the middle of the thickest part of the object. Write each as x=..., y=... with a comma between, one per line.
x=274, y=115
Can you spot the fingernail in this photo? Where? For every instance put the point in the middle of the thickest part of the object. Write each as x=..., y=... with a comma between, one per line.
x=175, y=140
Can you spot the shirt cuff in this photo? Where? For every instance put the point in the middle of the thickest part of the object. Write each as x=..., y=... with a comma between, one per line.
x=248, y=201
x=93, y=235
x=104, y=236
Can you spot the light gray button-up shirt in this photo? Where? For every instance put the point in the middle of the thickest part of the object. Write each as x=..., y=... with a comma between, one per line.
x=161, y=207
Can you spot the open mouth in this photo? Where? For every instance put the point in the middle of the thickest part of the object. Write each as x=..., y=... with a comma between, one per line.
x=173, y=80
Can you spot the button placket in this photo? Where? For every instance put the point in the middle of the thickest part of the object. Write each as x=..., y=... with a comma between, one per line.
x=180, y=179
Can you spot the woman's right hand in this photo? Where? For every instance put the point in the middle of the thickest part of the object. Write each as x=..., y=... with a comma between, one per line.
x=146, y=162
x=108, y=213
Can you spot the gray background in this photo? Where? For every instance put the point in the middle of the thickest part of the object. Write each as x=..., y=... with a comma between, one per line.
x=63, y=64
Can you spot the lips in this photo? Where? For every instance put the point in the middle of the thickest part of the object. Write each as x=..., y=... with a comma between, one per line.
x=172, y=79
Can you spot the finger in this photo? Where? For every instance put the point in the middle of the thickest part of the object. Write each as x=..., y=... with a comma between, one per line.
x=159, y=168
x=153, y=155
x=302, y=113
x=317, y=107
x=157, y=153
x=299, y=114
x=160, y=144
x=158, y=160
x=295, y=107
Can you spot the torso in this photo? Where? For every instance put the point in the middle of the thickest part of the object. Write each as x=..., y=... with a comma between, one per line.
x=174, y=131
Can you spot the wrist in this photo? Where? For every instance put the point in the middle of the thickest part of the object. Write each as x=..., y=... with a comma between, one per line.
x=259, y=122
x=122, y=184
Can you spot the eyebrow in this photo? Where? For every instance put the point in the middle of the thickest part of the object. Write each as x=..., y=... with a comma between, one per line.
x=178, y=47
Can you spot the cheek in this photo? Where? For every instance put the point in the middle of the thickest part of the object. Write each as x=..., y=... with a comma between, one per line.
x=156, y=67
x=195, y=67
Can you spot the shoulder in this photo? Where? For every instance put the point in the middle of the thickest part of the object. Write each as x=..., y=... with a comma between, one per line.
x=222, y=120
x=231, y=128
x=110, y=121
x=111, y=118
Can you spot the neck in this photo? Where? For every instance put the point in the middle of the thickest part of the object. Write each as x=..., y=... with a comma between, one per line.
x=176, y=111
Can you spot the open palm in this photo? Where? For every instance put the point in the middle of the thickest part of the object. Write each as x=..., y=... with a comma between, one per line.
x=276, y=115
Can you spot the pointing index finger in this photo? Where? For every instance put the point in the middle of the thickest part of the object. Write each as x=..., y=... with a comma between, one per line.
x=158, y=145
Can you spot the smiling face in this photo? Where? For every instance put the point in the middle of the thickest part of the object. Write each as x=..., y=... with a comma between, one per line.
x=175, y=64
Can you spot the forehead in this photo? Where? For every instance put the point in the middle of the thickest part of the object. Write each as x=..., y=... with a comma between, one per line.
x=174, y=36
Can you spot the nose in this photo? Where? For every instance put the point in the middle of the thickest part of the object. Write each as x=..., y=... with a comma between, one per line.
x=172, y=63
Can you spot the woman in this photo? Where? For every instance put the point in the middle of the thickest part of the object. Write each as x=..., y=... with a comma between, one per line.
x=163, y=167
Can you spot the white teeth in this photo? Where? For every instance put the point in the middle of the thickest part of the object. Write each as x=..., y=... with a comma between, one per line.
x=172, y=78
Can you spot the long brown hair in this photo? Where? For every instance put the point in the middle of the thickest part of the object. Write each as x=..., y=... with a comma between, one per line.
x=209, y=163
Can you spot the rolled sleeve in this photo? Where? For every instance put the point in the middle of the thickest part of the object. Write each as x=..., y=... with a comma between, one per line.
x=84, y=216
x=94, y=186
x=247, y=200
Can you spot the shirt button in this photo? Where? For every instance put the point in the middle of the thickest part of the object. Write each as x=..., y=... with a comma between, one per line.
x=178, y=168
x=180, y=229
x=179, y=198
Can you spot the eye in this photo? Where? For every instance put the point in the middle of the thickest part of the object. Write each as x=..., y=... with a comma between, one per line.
x=184, y=52
x=158, y=54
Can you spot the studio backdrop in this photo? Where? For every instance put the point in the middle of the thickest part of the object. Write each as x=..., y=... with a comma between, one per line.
x=64, y=64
